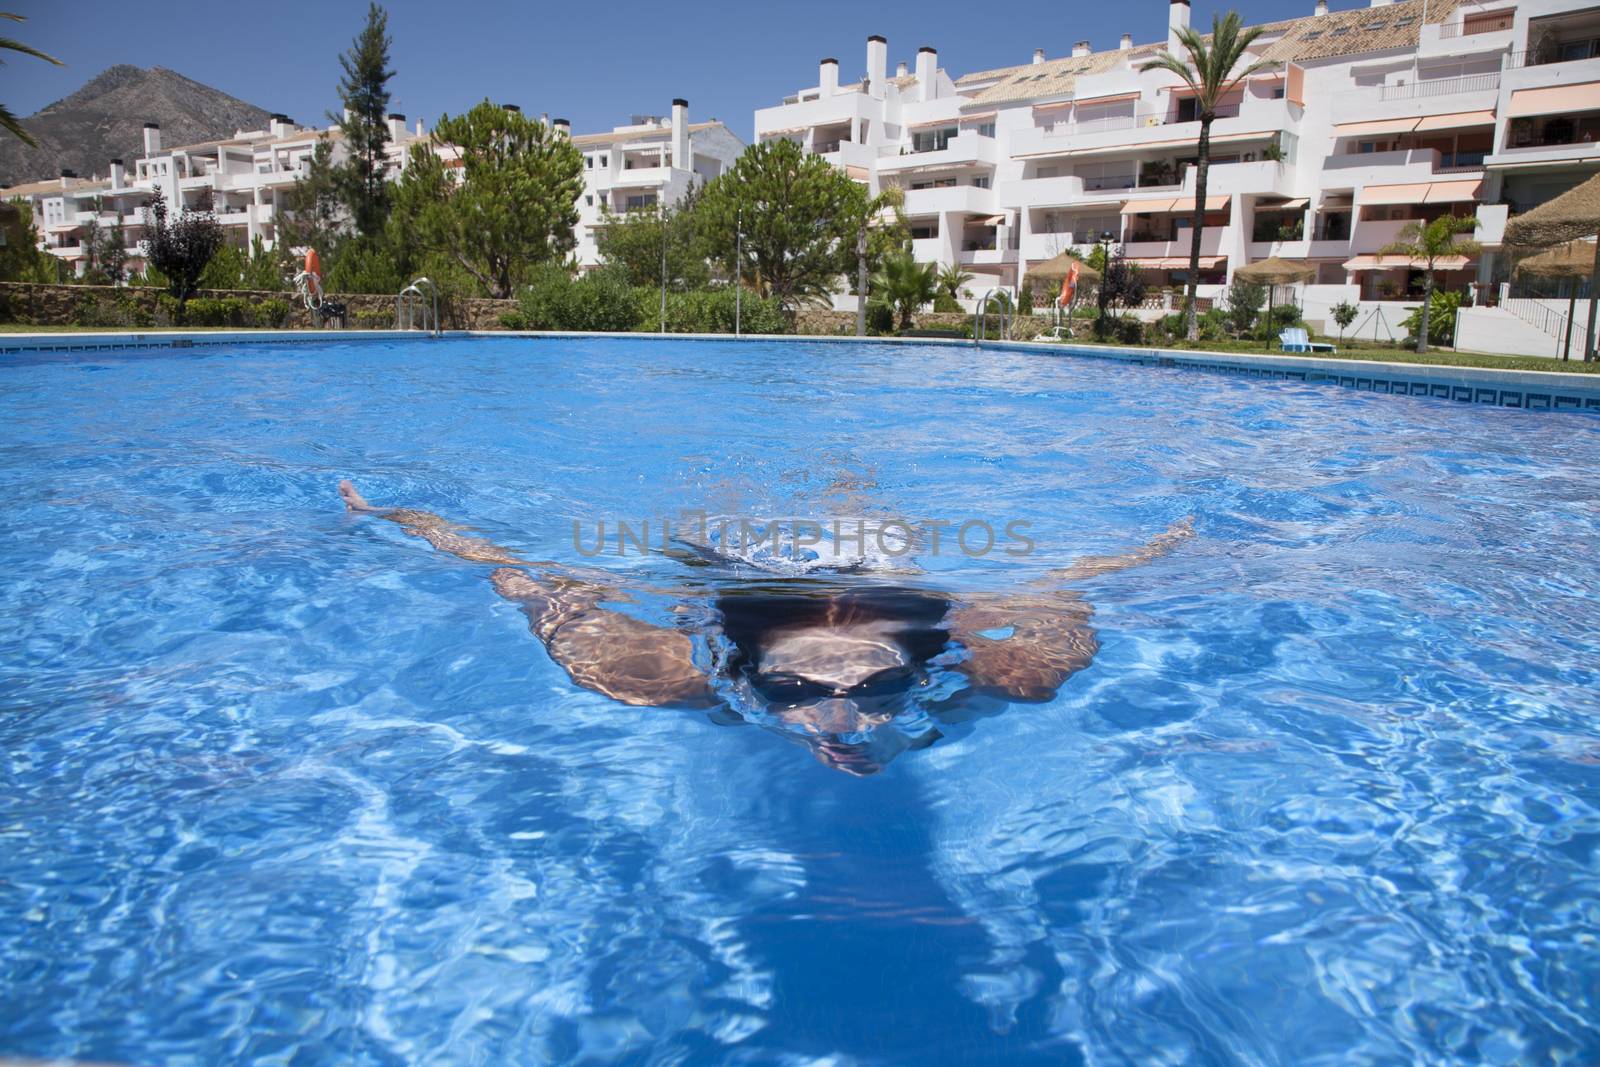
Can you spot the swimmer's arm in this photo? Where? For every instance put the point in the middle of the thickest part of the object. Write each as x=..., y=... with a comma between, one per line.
x=606, y=651
x=1092, y=566
x=443, y=535
x=1023, y=647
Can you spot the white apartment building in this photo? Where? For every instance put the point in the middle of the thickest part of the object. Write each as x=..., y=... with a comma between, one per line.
x=1366, y=119
x=652, y=160
x=243, y=176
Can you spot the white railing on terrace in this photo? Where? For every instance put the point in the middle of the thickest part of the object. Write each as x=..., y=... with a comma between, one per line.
x=1548, y=321
x=1540, y=57
x=1467, y=83
x=1136, y=121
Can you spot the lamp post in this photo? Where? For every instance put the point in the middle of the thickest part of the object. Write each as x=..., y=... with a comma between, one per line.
x=738, y=267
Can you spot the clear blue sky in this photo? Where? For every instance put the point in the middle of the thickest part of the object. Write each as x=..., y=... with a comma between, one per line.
x=593, y=63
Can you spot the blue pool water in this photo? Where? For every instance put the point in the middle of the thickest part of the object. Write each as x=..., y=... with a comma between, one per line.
x=284, y=785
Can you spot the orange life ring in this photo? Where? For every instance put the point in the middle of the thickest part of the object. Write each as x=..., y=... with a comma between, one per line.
x=313, y=264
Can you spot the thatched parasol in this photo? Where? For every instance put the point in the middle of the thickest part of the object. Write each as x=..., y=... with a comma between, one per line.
x=1055, y=269
x=1572, y=261
x=1274, y=272
x=1572, y=215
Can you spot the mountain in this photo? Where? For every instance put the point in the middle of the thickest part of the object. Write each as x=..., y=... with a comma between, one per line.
x=105, y=120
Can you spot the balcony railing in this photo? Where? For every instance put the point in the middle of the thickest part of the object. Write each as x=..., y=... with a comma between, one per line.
x=1539, y=57
x=1468, y=83
x=822, y=148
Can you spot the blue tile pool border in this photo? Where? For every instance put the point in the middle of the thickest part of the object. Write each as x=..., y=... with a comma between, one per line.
x=1521, y=389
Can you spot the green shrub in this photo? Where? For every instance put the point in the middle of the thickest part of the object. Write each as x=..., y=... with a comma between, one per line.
x=1129, y=330
x=513, y=320
x=946, y=304
x=880, y=318
x=372, y=319
x=272, y=314
x=599, y=300
x=1282, y=317
x=1441, y=320
x=233, y=311
x=1244, y=301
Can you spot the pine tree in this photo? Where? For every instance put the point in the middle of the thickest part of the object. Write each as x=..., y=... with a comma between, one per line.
x=364, y=91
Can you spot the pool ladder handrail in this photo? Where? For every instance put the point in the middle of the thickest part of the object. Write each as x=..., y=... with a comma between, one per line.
x=980, y=334
x=407, y=303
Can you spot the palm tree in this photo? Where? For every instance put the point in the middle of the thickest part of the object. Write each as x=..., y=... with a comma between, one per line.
x=952, y=278
x=1427, y=243
x=886, y=203
x=905, y=285
x=7, y=119
x=1209, y=73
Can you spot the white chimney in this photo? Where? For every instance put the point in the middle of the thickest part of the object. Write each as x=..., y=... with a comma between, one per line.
x=1038, y=55
x=1177, y=19
x=348, y=114
x=397, y=127
x=421, y=131
x=1126, y=44
x=901, y=70
x=152, y=139
x=927, y=72
x=1320, y=9
x=1080, y=49
x=828, y=78
x=680, y=135
x=877, y=64
x=564, y=127
x=278, y=126
x=118, y=174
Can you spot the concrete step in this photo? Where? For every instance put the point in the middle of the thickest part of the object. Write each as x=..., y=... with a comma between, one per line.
x=1498, y=332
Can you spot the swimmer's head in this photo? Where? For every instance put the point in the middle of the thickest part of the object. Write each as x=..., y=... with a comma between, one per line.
x=834, y=664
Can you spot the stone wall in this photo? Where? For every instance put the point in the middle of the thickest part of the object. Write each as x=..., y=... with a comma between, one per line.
x=103, y=305
x=825, y=321
x=113, y=307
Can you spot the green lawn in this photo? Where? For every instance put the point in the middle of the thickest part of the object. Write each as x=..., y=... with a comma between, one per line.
x=1442, y=357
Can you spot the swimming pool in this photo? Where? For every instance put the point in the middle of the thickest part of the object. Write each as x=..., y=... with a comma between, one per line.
x=283, y=784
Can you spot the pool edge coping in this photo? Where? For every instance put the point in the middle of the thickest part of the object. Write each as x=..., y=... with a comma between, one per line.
x=1509, y=387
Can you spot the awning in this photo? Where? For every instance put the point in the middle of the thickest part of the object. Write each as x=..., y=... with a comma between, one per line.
x=858, y=174
x=1376, y=127
x=1185, y=204
x=1229, y=138
x=1148, y=207
x=1061, y=106
x=1177, y=263
x=994, y=220
x=1287, y=205
x=1375, y=262
x=780, y=133
x=1555, y=100
x=932, y=122
x=1456, y=121
x=1395, y=194
x=1109, y=98
x=978, y=116
x=1453, y=192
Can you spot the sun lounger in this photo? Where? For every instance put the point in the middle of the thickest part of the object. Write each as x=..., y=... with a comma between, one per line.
x=1296, y=339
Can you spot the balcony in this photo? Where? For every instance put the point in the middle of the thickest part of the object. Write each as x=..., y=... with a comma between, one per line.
x=955, y=198
x=825, y=111
x=1144, y=130
x=963, y=150
x=1213, y=241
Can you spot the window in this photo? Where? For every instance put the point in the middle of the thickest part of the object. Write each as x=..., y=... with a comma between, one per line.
x=986, y=129
x=1188, y=111
x=588, y=162
x=980, y=183
x=605, y=161
x=642, y=201
x=1277, y=92
x=588, y=201
x=925, y=231
x=932, y=140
